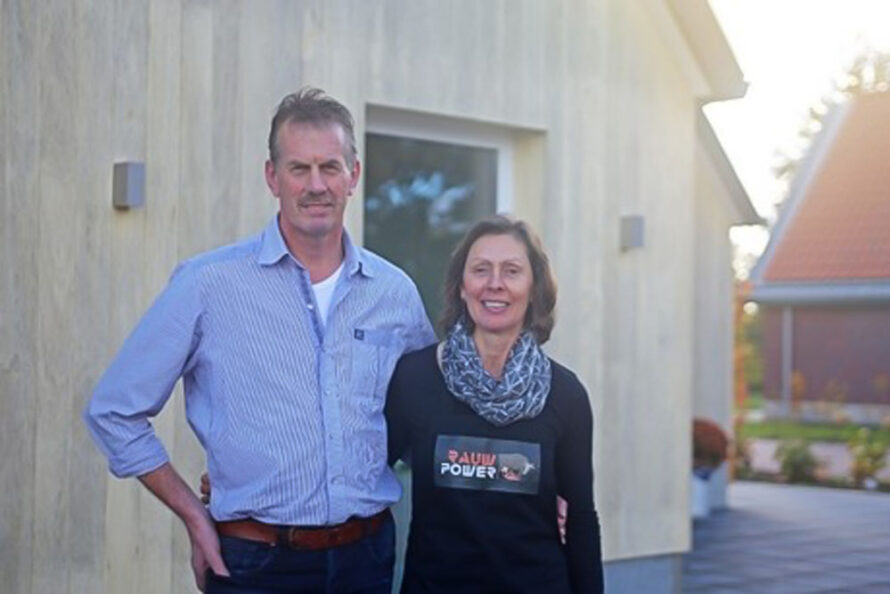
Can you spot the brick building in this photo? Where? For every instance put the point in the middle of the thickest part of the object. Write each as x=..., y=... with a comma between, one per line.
x=824, y=279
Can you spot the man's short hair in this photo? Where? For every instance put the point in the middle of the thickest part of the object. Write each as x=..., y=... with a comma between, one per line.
x=313, y=106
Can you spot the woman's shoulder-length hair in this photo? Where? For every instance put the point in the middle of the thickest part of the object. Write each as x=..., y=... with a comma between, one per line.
x=540, y=316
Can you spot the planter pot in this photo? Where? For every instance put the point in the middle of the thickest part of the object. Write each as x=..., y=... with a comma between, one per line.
x=699, y=500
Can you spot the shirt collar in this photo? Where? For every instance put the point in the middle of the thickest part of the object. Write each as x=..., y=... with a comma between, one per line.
x=356, y=260
x=273, y=249
x=272, y=246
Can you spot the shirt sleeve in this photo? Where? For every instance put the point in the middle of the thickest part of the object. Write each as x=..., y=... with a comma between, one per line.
x=574, y=468
x=139, y=381
x=421, y=333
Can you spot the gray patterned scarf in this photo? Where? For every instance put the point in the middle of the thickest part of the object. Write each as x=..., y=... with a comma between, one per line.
x=520, y=394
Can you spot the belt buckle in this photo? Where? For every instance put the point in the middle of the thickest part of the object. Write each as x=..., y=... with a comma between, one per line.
x=314, y=539
x=311, y=540
x=333, y=538
x=293, y=538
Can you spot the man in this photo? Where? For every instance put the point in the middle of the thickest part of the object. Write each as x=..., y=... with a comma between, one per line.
x=285, y=343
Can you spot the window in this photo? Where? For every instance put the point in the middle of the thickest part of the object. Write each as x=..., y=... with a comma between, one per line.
x=423, y=191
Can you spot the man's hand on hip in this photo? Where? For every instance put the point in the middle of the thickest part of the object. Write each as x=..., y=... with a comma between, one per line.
x=169, y=487
x=206, y=552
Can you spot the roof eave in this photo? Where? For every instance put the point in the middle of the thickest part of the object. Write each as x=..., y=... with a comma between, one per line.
x=705, y=38
x=822, y=293
x=741, y=202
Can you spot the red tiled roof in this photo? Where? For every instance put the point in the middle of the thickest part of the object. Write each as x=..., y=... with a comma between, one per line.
x=841, y=228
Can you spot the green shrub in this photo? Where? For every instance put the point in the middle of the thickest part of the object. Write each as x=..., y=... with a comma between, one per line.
x=741, y=458
x=831, y=432
x=798, y=465
x=868, y=454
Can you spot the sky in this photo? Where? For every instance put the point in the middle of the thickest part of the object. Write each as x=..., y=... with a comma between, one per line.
x=790, y=52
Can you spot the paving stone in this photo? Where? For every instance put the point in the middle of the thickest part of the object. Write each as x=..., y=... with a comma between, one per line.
x=790, y=539
x=869, y=574
x=710, y=579
x=784, y=586
x=875, y=588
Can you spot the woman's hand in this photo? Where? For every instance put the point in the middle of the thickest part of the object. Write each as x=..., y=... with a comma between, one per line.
x=205, y=488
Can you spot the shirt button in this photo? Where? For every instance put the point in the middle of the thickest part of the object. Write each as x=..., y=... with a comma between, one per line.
x=310, y=306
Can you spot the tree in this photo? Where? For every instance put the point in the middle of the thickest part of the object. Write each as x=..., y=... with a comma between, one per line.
x=868, y=73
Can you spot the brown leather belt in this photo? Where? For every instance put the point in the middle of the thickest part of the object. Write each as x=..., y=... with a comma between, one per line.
x=302, y=538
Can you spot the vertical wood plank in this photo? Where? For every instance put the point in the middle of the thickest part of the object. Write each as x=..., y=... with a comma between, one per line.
x=56, y=244
x=126, y=554
x=313, y=44
x=85, y=534
x=259, y=94
x=19, y=289
x=163, y=186
x=194, y=228
x=225, y=127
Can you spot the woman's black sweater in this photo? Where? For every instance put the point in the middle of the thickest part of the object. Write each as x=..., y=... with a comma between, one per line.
x=484, y=497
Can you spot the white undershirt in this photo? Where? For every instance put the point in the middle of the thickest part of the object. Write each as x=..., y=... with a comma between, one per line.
x=324, y=290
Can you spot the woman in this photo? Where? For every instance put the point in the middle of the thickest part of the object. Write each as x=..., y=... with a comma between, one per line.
x=495, y=430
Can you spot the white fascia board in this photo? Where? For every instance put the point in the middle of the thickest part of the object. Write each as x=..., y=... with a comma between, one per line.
x=712, y=51
x=679, y=47
x=746, y=214
x=846, y=293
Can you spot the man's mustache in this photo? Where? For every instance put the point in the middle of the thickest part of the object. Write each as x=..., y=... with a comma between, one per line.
x=322, y=200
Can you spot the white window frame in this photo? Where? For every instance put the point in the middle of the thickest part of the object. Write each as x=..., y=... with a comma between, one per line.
x=456, y=131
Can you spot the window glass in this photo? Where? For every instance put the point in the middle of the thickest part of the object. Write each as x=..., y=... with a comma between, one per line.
x=420, y=198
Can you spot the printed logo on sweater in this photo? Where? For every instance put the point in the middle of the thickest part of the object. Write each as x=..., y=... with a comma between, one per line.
x=486, y=464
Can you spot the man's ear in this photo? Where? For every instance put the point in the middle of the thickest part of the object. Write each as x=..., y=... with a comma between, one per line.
x=271, y=179
x=356, y=172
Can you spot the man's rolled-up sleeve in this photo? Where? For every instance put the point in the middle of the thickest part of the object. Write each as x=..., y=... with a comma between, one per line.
x=141, y=378
x=421, y=333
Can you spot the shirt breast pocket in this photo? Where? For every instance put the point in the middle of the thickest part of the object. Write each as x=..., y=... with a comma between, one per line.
x=374, y=356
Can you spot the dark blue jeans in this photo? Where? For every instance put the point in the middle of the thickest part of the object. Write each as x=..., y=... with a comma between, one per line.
x=364, y=567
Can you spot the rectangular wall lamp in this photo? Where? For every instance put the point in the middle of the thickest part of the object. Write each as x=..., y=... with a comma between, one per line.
x=633, y=232
x=128, y=185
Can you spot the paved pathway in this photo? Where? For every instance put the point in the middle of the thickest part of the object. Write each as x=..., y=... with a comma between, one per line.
x=788, y=539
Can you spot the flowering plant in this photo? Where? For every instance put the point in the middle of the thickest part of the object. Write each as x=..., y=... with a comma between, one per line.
x=869, y=456
x=709, y=444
